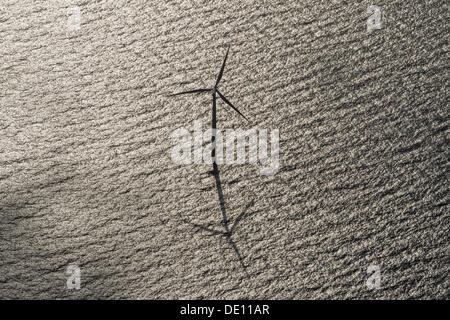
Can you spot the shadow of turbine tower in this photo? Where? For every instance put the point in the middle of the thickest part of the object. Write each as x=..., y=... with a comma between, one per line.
x=228, y=231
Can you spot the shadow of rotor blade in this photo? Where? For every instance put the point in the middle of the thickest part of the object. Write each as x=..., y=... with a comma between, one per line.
x=239, y=218
x=219, y=77
x=231, y=105
x=199, y=226
x=190, y=91
x=233, y=245
x=227, y=232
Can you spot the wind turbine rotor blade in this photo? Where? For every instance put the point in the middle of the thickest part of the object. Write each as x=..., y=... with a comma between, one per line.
x=231, y=105
x=191, y=91
x=219, y=77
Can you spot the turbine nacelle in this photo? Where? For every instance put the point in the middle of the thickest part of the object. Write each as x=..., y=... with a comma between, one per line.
x=215, y=89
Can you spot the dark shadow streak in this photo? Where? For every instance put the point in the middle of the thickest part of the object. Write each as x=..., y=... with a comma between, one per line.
x=228, y=233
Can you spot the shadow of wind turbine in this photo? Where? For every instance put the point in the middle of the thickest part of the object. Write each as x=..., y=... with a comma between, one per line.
x=228, y=232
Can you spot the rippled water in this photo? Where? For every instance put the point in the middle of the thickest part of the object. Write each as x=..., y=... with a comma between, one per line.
x=86, y=176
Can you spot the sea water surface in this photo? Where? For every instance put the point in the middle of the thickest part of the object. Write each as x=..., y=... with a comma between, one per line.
x=86, y=176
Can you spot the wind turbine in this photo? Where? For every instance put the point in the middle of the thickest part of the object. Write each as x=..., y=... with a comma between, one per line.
x=227, y=233
x=214, y=90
